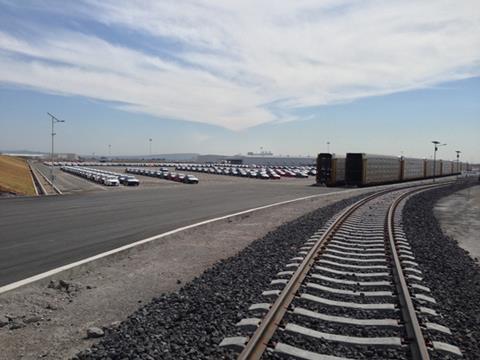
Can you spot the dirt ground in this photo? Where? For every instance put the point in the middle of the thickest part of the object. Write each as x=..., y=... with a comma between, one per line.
x=459, y=216
x=51, y=321
x=15, y=176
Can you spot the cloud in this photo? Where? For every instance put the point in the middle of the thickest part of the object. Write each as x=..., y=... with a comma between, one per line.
x=241, y=64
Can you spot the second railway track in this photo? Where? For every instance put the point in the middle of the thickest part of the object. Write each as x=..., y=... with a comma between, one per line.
x=354, y=291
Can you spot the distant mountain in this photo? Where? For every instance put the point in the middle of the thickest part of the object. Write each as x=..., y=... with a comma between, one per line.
x=22, y=152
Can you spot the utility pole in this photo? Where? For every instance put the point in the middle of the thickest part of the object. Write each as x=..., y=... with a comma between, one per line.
x=458, y=161
x=54, y=120
x=436, y=144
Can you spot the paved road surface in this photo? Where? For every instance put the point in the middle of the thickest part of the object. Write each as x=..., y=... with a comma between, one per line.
x=39, y=234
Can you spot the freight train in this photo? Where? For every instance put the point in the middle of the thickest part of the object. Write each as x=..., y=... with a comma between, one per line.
x=358, y=169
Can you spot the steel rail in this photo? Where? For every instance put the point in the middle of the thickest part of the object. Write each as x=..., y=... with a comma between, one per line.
x=259, y=341
x=418, y=347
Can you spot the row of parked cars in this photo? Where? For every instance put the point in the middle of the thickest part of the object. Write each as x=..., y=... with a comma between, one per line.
x=264, y=173
x=107, y=178
x=112, y=163
x=164, y=173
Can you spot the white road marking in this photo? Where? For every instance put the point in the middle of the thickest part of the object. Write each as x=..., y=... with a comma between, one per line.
x=29, y=280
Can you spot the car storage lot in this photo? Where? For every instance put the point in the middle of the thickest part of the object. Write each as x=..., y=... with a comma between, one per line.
x=69, y=183
x=210, y=179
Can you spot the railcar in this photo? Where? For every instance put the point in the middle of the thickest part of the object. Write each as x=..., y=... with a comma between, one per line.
x=359, y=169
x=446, y=168
x=412, y=169
x=365, y=169
x=330, y=169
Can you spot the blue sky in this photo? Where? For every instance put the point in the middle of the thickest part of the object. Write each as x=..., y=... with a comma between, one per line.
x=231, y=77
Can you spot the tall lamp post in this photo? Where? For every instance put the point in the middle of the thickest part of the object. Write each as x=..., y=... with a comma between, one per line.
x=54, y=120
x=328, y=147
x=436, y=144
x=458, y=161
x=150, y=147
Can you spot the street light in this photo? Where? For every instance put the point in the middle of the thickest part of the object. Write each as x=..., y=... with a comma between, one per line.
x=328, y=147
x=54, y=120
x=150, y=147
x=109, y=150
x=458, y=159
x=436, y=145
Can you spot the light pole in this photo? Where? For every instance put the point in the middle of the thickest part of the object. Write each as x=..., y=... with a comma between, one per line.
x=109, y=150
x=436, y=144
x=328, y=147
x=54, y=120
x=150, y=147
x=458, y=161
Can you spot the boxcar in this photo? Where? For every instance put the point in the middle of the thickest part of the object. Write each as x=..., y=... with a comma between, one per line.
x=362, y=169
x=330, y=169
x=412, y=168
x=447, y=167
x=430, y=166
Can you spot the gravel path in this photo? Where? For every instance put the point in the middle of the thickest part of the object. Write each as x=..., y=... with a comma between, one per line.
x=449, y=271
x=190, y=323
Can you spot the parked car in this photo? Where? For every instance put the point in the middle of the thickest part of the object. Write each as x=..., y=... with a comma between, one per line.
x=110, y=180
x=301, y=175
x=128, y=180
x=190, y=179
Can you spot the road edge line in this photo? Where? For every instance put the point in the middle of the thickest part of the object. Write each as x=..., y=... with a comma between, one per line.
x=46, y=274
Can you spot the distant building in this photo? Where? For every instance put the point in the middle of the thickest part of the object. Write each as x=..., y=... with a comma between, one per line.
x=66, y=156
x=268, y=160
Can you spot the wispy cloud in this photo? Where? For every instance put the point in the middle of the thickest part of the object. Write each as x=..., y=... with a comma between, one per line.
x=241, y=64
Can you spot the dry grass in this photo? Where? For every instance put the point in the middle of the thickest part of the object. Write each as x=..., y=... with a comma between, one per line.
x=15, y=176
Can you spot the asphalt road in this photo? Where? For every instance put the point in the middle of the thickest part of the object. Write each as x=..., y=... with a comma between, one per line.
x=39, y=234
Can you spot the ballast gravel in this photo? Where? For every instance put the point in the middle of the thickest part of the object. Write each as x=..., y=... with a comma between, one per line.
x=451, y=274
x=190, y=323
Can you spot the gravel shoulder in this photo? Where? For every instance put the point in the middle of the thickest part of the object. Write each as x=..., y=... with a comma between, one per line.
x=459, y=217
x=449, y=271
x=50, y=320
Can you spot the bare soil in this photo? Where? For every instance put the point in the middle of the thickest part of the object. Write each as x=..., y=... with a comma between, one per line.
x=459, y=216
x=15, y=176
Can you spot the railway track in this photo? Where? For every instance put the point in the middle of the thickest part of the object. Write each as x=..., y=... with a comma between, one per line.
x=354, y=291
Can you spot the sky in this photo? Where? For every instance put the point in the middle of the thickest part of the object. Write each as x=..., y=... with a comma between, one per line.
x=384, y=77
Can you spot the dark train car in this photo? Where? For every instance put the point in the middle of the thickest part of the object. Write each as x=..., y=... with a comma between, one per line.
x=330, y=170
x=365, y=169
